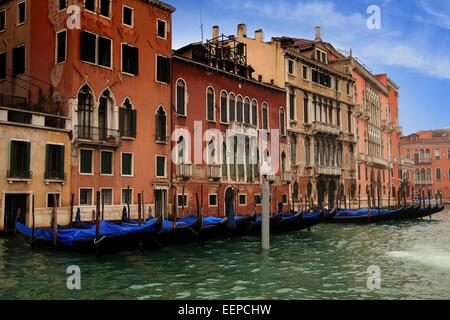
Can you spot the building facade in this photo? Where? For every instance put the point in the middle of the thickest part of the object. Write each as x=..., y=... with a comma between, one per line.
x=430, y=152
x=319, y=113
x=220, y=114
x=105, y=66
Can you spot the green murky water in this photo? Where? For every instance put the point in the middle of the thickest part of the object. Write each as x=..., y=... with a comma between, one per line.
x=328, y=263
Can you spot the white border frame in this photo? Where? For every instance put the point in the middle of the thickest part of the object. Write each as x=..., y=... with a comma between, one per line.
x=6, y=60
x=132, y=165
x=165, y=29
x=131, y=200
x=214, y=104
x=95, y=7
x=185, y=98
x=209, y=200
x=18, y=13
x=156, y=166
x=227, y=107
x=123, y=16
x=57, y=47
x=92, y=173
x=156, y=68
x=112, y=163
x=6, y=23
x=239, y=199
x=293, y=74
x=112, y=195
x=180, y=194
x=109, y=17
x=79, y=197
x=59, y=200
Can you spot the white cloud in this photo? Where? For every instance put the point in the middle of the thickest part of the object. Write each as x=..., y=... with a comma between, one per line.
x=438, y=12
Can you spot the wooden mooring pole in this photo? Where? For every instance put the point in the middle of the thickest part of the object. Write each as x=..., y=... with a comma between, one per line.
x=265, y=232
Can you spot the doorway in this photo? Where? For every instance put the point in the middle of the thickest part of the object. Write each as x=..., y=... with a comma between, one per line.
x=161, y=203
x=229, y=201
x=15, y=204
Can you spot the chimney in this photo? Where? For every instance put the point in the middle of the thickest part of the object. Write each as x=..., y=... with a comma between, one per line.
x=242, y=30
x=259, y=35
x=318, y=38
x=215, y=32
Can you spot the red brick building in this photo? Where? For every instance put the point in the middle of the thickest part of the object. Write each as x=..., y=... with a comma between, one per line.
x=213, y=90
x=430, y=151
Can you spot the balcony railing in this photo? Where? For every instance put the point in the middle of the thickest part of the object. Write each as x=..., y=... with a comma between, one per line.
x=184, y=171
x=12, y=101
x=422, y=161
x=55, y=175
x=19, y=174
x=214, y=171
x=407, y=162
x=96, y=134
x=286, y=177
x=319, y=127
x=423, y=182
x=327, y=171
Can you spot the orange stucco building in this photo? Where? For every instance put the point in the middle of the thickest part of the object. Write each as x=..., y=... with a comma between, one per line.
x=430, y=152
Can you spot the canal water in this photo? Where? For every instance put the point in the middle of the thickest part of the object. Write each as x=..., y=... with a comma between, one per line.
x=330, y=262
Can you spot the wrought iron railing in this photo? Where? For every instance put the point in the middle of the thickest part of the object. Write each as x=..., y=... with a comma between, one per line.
x=19, y=174
x=55, y=175
x=96, y=134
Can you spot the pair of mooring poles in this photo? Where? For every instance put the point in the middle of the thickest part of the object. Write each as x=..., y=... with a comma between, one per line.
x=265, y=232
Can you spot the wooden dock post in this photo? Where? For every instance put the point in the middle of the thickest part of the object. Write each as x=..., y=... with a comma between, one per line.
x=72, y=203
x=103, y=206
x=143, y=207
x=55, y=223
x=128, y=203
x=368, y=204
x=97, y=217
x=33, y=231
x=139, y=208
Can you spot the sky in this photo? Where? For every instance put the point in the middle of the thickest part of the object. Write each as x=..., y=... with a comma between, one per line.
x=412, y=45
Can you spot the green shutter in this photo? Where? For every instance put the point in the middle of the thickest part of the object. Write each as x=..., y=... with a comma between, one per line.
x=61, y=162
x=121, y=120
x=27, y=158
x=11, y=156
x=133, y=123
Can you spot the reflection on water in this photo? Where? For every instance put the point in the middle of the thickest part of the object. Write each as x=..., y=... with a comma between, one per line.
x=328, y=263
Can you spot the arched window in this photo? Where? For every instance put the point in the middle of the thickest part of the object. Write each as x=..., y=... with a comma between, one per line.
x=239, y=109
x=438, y=174
x=417, y=176
x=265, y=117
x=283, y=162
x=210, y=101
x=181, y=150
x=211, y=155
x=307, y=152
x=428, y=155
x=422, y=175
x=85, y=113
x=408, y=154
x=429, y=178
x=127, y=117
x=161, y=120
x=282, y=122
x=232, y=107
x=293, y=150
x=105, y=115
x=223, y=107
x=181, y=98
x=422, y=155
x=255, y=113
x=247, y=111
x=292, y=104
x=416, y=156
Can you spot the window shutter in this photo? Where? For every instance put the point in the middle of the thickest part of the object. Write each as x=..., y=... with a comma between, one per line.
x=121, y=120
x=27, y=158
x=47, y=158
x=135, y=53
x=11, y=156
x=61, y=161
x=133, y=122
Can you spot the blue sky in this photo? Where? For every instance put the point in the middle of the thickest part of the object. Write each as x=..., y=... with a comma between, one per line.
x=412, y=46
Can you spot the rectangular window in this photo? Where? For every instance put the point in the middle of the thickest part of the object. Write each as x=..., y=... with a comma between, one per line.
x=106, y=163
x=305, y=73
x=21, y=13
x=349, y=115
x=337, y=84
x=284, y=199
x=53, y=200
x=438, y=174
x=2, y=20
x=127, y=164
x=128, y=16
x=291, y=67
x=88, y=47
x=130, y=59
x=160, y=166
x=104, y=52
x=54, y=163
x=19, y=164
x=18, y=60
x=349, y=88
x=2, y=65
x=306, y=109
x=437, y=154
x=162, y=29
x=62, y=4
x=162, y=69
x=105, y=8
x=127, y=196
x=61, y=44
x=291, y=105
x=242, y=199
x=86, y=161
x=85, y=197
x=182, y=201
x=107, y=197
x=212, y=200
x=90, y=5
x=257, y=199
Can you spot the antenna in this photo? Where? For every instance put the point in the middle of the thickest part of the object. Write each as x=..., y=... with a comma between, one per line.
x=201, y=19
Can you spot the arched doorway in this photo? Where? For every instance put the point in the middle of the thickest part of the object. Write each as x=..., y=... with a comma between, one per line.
x=331, y=194
x=321, y=190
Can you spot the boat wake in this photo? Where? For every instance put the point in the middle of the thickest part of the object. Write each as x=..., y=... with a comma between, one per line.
x=430, y=257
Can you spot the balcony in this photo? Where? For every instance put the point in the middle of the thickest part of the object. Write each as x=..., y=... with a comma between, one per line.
x=243, y=129
x=327, y=129
x=407, y=162
x=423, y=182
x=184, y=171
x=371, y=160
x=55, y=176
x=214, y=171
x=19, y=175
x=97, y=135
x=422, y=161
x=286, y=177
x=327, y=171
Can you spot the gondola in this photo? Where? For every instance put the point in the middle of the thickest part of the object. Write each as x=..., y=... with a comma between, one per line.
x=315, y=218
x=243, y=225
x=213, y=227
x=289, y=222
x=112, y=237
x=256, y=227
x=186, y=231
